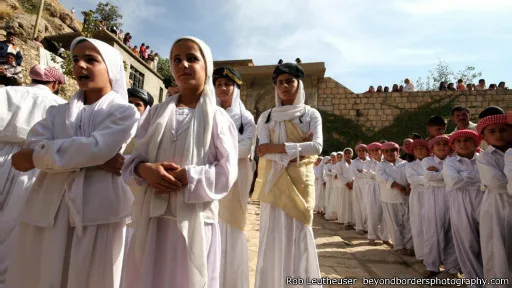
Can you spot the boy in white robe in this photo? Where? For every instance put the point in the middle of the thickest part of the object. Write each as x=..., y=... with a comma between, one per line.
x=376, y=226
x=177, y=236
x=414, y=171
x=463, y=185
x=338, y=184
x=391, y=175
x=345, y=214
x=290, y=136
x=331, y=211
x=439, y=247
x=360, y=192
x=234, y=269
x=20, y=109
x=496, y=209
x=70, y=232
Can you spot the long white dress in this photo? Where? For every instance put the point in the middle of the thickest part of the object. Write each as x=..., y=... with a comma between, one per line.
x=496, y=214
x=345, y=175
x=319, y=188
x=287, y=246
x=164, y=258
x=20, y=109
x=331, y=210
x=234, y=268
x=376, y=225
x=414, y=172
x=71, y=228
x=359, y=195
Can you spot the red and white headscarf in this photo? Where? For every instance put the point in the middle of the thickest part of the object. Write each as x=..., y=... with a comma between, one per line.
x=363, y=146
x=390, y=145
x=437, y=139
x=417, y=143
x=46, y=74
x=374, y=145
x=465, y=133
x=491, y=120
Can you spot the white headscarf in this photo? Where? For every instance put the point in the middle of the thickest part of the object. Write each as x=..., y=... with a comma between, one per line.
x=237, y=108
x=279, y=115
x=114, y=63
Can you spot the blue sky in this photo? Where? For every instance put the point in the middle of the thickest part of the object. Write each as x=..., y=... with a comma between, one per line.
x=362, y=42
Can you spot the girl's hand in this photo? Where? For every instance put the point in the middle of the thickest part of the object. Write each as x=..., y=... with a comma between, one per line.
x=269, y=148
x=308, y=137
x=432, y=169
x=113, y=165
x=156, y=174
x=22, y=160
x=180, y=175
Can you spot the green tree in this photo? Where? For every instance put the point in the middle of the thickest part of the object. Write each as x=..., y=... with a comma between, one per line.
x=106, y=14
x=164, y=68
x=443, y=72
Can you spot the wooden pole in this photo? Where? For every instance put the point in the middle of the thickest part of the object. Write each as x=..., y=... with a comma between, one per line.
x=41, y=7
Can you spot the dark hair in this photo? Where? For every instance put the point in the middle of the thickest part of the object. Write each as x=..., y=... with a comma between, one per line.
x=501, y=83
x=415, y=136
x=11, y=54
x=441, y=86
x=481, y=80
x=436, y=121
x=491, y=110
x=459, y=109
x=459, y=81
x=10, y=33
x=35, y=81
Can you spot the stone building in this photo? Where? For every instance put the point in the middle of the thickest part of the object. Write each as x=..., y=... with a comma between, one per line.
x=138, y=72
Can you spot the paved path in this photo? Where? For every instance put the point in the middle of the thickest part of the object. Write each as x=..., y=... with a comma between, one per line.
x=341, y=253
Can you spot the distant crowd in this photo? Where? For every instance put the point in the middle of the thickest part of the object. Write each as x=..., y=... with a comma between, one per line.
x=443, y=86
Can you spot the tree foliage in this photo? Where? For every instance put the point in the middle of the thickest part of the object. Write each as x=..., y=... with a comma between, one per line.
x=105, y=15
x=443, y=72
x=164, y=68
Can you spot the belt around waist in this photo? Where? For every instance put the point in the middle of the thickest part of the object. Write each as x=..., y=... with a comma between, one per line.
x=436, y=184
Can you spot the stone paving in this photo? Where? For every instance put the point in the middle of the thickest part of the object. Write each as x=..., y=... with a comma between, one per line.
x=342, y=254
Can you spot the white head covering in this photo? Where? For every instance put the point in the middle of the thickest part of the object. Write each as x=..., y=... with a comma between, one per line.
x=237, y=107
x=278, y=115
x=114, y=63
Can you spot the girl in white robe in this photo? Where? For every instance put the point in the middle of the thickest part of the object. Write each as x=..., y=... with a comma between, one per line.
x=463, y=186
x=360, y=192
x=346, y=177
x=323, y=187
x=496, y=209
x=71, y=225
x=290, y=137
x=331, y=210
x=318, y=185
x=376, y=226
x=23, y=107
x=185, y=162
x=414, y=171
x=234, y=268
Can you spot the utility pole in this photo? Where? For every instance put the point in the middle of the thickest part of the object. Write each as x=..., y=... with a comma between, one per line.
x=41, y=7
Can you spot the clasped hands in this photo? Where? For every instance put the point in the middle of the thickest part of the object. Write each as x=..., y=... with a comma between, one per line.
x=270, y=148
x=164, y=177
x=405, y=190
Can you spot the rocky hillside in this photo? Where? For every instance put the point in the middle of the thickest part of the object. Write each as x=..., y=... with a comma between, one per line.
x=20, y=16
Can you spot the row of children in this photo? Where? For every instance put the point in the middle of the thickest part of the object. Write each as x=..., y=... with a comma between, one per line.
x=449, y=206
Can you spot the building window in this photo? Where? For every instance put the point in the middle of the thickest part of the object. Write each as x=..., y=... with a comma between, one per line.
x=161, y=95
x=136, y=77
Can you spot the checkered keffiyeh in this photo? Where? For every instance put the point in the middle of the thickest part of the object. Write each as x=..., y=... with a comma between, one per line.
x=46, y=74
x=436, y=140
x=509, y=118
x=390, y=145
x=417, y=143
x=374, y=145
x=491, y=120
x=465, y=133
x=361, y=146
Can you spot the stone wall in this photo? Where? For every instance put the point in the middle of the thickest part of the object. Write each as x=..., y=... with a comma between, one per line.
x=378, y=110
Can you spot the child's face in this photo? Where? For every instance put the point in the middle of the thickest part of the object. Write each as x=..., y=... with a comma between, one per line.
x=376, y=154
x=441, y=149
x=318, y=161
x=420, y=152
x=333, y=159
x=498, y=135
x=224, y=89
x=347, y=155
x=434, y=131
x=362, y=153
x=89, y=69
x=188, y=65
x=390, y=154
x=464, y=146
x=339, y=157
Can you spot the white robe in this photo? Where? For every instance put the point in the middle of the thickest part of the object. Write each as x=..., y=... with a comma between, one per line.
x=234, y=268
x=414, y=171
x=359, y=195
x=331, y=197
x=376, y=226
x=20, y=109
x=48, y=246
x=319, y=188
x=286, y=246
x=463, y=186
x=495, y=214
x=164, y=259
x=436, y=220
x=395, y=205
x=345, y=176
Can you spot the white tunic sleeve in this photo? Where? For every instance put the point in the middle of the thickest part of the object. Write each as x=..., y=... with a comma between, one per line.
x=344, y=175
x=413, y=177
x=508, y=169
x=383, y=177
x=59, y=155
x=246, y=140
x=212, y=181
x=454, y=178
x=367, y=169
x=489, y=168
x=313, y=147
x=431, y=175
